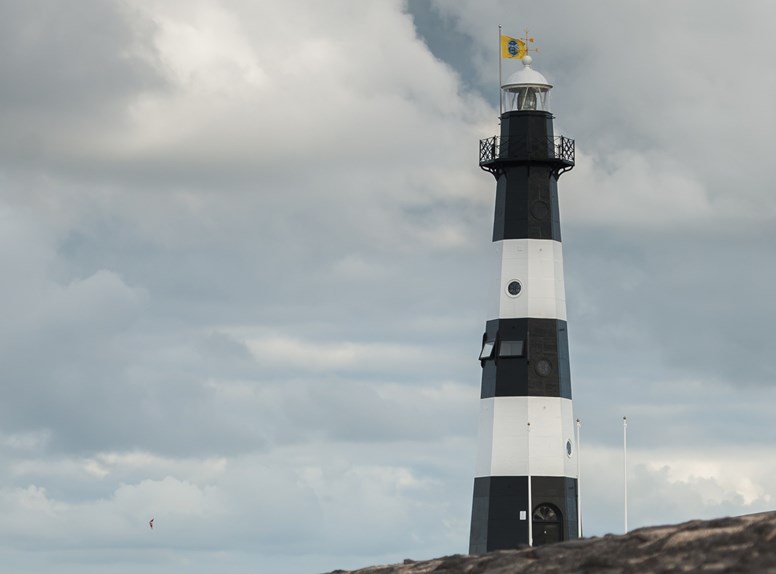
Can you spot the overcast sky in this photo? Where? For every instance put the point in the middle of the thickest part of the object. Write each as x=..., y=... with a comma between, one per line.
x=245, y=250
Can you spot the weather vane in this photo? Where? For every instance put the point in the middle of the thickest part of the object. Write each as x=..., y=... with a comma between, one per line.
x=528, y=40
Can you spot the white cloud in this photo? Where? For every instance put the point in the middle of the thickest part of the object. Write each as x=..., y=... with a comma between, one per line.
x=28, y=441
x=669, y=485
x=636, y=190
x=255, y=88
x=294, y=501
x=293, y=353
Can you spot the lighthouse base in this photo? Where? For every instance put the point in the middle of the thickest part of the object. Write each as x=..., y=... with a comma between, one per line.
x=500, y=511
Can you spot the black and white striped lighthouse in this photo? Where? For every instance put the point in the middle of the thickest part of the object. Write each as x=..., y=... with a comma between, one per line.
x=525, y=486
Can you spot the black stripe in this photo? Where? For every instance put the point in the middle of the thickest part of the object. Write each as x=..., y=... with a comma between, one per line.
x=527, y=191
x=546, y=344
x=526, y=203
x=497, y=503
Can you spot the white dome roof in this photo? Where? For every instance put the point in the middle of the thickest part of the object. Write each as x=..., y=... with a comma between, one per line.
x=526, y=77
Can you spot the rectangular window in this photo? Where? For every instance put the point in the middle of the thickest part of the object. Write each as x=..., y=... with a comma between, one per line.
x=510, y=349
x=487, y=350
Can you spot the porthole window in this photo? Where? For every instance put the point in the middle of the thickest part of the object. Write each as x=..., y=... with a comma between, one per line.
x=540, y=209
x=514, y=288
x=543, y=367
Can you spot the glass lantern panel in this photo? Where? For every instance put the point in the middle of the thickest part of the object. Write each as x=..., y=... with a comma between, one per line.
x=525, y=98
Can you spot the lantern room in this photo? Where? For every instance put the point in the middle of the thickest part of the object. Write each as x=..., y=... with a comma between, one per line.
x=526, y=90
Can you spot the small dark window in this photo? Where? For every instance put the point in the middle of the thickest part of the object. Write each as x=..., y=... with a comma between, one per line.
x=543, y=367
x=487, y=350
x=514, y=288
x=511, y=349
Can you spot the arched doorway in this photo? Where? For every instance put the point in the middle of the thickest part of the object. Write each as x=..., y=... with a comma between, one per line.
x=547, y=525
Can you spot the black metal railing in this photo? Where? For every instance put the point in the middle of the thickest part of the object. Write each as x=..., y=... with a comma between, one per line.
x=556, y=149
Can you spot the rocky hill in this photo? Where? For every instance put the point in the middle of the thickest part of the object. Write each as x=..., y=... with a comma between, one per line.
x=745, y=544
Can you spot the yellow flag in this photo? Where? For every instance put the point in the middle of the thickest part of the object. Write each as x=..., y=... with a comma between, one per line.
x=512, y=47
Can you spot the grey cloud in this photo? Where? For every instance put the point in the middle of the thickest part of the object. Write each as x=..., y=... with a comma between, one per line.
x=67, y=71
x=60, y=57
x=139, y=265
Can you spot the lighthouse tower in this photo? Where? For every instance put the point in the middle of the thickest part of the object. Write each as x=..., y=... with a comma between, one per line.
x=525, y=486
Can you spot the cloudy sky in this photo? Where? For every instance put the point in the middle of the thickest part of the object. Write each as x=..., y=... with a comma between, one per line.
x=245, y=253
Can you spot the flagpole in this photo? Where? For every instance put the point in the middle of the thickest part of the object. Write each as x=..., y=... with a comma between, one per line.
x=579, y=481
x=530, y=503
x=500, y=105
x=625, y=467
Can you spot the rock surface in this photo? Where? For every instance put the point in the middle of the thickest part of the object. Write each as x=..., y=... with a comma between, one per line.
x=741, y=544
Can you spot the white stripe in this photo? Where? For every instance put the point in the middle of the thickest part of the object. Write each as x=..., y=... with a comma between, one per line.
x=538, y=265
x=503, y=448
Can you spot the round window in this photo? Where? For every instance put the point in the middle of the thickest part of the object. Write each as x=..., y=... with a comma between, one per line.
x=540, y=209
x=513, y=288
x=543, y=367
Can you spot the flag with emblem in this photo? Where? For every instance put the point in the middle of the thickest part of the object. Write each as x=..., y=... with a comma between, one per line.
x=512, y=47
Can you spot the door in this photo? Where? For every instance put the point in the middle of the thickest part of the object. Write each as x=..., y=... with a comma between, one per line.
x=547, y=525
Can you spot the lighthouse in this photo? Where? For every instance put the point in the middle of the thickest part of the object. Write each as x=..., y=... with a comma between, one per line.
x=525, y=486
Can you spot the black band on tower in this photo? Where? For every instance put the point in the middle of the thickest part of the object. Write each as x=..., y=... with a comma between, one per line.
x=526, y=203
x=498, y=501
x=530, y=357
